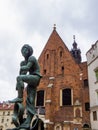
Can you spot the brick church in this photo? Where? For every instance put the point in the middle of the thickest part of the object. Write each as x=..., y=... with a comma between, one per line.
x=62, y=100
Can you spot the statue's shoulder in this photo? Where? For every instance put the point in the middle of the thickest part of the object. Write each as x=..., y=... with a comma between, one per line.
x=22, y=63
x=32, y=59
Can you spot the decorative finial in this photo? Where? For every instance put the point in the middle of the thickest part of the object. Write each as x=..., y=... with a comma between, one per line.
x=74, y=37
x=54, y=27
x=74, y=43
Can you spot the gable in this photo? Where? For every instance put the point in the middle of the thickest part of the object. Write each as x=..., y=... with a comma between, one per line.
x=55, y=58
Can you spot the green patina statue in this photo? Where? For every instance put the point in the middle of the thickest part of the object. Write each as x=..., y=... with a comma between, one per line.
x=30, y=74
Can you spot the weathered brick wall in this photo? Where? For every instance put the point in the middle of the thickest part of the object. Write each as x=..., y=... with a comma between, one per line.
x=56, y=61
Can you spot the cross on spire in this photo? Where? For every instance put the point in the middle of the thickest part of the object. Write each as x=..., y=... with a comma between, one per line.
x=54, y=27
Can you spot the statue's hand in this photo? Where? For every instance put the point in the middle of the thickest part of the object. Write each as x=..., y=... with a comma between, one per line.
x=23, y=72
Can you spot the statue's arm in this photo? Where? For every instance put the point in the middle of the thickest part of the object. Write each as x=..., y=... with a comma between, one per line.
x=26, y=67
x=21, y=71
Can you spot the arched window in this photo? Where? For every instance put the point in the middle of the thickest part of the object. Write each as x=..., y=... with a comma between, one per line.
x=47, y=56
x=60, y=60
x=86, y=126
x=66, y=96
x=60, y=52
x=58, y=128
x=46, y=63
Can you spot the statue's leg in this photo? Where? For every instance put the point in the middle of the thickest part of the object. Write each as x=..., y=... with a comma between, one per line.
x=31, y=92
x=19, y=88
x=32, y=81
x=30, y=103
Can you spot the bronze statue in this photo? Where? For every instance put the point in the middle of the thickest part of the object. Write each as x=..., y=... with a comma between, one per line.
x=30, y=74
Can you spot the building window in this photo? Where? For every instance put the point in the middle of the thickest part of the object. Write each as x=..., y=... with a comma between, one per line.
x=6, y=125
x=86, y=126
x=40, y=98
x=75, y=128
x=7, y=120
x=8, y=113
x=58, y=128
x=94, y=115
x=3, y=113
x=87, y=106
x=47, y=56
x=66, y=96
x=1, y=127
x=45, y=71
x=60, y=53
x=2, y=121
x=96, y=74
x=62, y=69
x=97, y=97
x=85, y=82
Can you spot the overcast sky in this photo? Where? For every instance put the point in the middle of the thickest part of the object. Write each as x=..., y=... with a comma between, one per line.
x=31, y=21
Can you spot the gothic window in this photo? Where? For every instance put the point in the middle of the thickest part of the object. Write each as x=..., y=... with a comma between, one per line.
x=47, y=61
x=87, y=106
x=60, y=53
x=66, y=96
x=47, y=56
x=62, y=69
x=60, y=60
x=40, y=98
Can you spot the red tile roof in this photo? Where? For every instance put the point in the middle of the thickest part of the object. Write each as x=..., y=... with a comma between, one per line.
x=4, y=106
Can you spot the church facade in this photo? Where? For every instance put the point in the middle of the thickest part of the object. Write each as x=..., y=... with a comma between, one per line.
x=63, y=94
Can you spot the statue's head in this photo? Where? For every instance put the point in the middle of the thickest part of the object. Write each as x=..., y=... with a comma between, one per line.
x=27, y=50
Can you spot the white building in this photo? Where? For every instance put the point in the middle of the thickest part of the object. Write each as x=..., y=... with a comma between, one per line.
x=6, y=112
x=92, y=62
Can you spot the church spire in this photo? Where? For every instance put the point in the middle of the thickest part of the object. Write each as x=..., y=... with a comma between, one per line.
x=76, y=53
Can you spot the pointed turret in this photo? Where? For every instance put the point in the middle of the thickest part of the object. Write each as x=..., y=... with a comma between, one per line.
x=76, y=52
